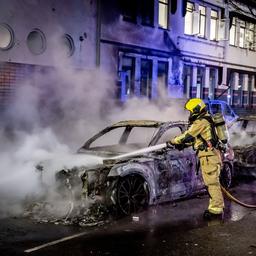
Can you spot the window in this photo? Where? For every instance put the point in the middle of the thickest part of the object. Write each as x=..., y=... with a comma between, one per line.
x=67, y=45
x=213, y=78
x=141, y=136
x=147, y=12
x=216, y=108
x=250, y=36
x=232, y=33
x=163, y=13
x=129, y=10
x=202, y=19
x=200, y=76
x=240, y=81
x=146, y=78
x=187, y=79
x=214, y=25
x=250, y=80
x=189, y=19
x=6, y=37
x=128, y=68
x=240, y=89
x=168, y=134
x=162, y=75
x=242, y=34
x=250, y=88
x=36, y=42
x=110, y=138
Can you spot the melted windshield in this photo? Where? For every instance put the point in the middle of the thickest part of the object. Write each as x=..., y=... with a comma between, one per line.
x=122, y=139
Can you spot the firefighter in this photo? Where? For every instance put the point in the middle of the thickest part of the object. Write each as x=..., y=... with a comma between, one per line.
x=200, y=135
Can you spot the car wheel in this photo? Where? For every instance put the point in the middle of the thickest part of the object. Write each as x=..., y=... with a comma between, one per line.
x=132, y=194
x=226, y=175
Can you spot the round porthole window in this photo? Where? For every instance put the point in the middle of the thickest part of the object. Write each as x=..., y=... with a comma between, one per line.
x=6, y=37
x=68, y=45
x=36, y=42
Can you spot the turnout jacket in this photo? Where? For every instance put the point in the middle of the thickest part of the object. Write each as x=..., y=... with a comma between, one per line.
x=199, y=135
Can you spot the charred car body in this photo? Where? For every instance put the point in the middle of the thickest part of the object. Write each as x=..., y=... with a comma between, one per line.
x=243, y=136
x=134, y=182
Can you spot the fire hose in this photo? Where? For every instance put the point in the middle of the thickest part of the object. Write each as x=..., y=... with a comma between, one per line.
x=232, y=198
x=163, y=145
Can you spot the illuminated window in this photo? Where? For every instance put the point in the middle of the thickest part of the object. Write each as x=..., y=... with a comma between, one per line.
x=214, y=25
x=242, y=34
x=189, y=19
x=232, y=33
x=202, y=19
x=163, y=13
x=6, y=37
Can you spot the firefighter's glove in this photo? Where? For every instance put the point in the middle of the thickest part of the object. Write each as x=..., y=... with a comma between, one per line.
x=169, y=144
x=179, y=146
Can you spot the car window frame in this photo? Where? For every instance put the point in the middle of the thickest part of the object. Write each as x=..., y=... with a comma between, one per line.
x=123, y=138
x=164, y=128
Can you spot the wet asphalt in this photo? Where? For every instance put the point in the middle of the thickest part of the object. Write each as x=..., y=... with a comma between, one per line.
x=169, y=229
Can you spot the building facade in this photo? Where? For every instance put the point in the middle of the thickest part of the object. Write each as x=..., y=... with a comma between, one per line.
x=179, y=49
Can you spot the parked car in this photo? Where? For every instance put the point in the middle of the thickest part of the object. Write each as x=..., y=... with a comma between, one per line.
x=132, y=183
x=243, y=139
x=219, y=106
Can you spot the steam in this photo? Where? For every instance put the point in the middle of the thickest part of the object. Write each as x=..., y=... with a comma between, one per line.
x=52, y=114
x=240, y=137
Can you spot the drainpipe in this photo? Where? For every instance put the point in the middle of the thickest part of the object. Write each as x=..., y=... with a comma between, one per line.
x=98, y=33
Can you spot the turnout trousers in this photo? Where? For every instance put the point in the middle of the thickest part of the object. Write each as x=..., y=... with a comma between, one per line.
x=211, y=166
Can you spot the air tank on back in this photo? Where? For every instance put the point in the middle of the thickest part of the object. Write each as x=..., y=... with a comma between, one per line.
x=221, y=128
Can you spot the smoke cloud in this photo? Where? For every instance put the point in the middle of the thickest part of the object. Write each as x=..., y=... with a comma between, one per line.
x=51, y=115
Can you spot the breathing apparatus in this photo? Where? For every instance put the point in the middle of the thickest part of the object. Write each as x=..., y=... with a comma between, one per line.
x=220, y=127
x=197, y=109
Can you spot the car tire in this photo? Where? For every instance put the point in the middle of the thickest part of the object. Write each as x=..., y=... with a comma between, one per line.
x=226, y=175
x=132, y=194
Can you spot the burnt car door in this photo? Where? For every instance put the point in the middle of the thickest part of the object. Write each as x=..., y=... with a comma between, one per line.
x=177, y=169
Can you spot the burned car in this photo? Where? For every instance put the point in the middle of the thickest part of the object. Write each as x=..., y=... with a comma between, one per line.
x=130, y=182
x=243, y=138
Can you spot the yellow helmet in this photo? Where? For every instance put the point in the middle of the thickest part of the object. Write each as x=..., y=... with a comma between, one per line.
x=195, y=106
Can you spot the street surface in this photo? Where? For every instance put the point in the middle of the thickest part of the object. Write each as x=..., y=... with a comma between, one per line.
x=170, y=229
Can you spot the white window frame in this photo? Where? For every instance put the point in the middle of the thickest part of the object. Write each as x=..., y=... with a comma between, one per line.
x=250, y=34
x=189, y=19
x=215, y=20
x=202, y=21
x=233, y=26
x=242, y=26
x=165, y=4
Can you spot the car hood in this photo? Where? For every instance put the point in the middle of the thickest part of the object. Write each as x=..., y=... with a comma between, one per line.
x=69, y=161
x=89, y=159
